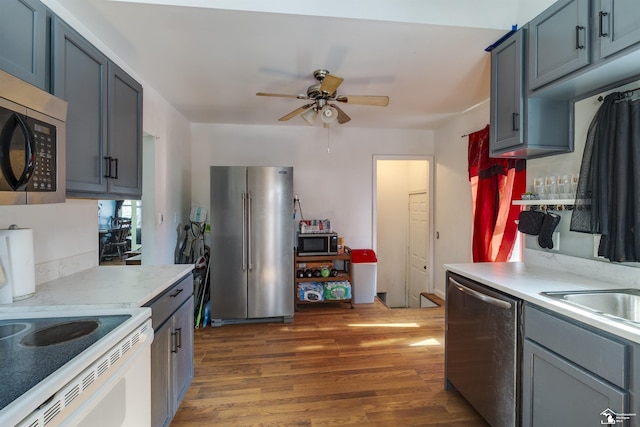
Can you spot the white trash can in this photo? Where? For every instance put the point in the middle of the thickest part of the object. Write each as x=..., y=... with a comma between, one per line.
x=365, y=275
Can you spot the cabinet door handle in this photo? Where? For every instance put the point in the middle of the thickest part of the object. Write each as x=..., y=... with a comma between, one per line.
x=116, y=175
x=176, y=293
x=514, y=123
x=600, y=32
x=174, y=343
x=108, y=168
x=179, y=332
x=578, y=45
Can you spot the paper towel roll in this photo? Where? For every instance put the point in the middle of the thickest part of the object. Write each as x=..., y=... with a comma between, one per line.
x=21, y=264
x=6, y=293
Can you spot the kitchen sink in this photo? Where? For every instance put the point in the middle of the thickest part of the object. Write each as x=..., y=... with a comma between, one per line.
x=620, y=303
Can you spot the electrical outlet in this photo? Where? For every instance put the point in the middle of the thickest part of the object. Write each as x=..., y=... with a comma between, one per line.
x=555, y=237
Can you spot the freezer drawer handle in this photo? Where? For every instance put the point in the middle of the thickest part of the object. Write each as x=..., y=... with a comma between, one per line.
x=249, y=220
x=244, y=231
x=482, y=297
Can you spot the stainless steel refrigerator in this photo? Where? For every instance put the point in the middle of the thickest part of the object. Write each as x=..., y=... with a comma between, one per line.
x=251, y=272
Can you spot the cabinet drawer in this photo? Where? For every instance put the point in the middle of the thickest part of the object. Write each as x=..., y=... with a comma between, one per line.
x=597, y=353
x=164, y=305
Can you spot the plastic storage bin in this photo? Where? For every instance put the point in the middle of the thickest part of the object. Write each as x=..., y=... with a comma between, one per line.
x=365, y=275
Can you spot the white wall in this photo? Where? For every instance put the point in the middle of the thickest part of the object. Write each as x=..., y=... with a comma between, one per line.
x=452, y=212
x=66, y=234
x=172, y=176
x=395, y=179
x=337, y=185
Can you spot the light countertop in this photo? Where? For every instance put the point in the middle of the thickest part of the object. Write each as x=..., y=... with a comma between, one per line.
x=527, y=281
x=105, y=286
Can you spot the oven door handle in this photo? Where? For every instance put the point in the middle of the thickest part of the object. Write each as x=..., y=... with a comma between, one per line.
x=480, y=296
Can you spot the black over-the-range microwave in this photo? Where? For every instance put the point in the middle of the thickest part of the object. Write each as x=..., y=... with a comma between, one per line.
x=317, y=243
x=32, y=144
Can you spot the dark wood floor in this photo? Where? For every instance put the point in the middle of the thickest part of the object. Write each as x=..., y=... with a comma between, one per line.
x=367, y=366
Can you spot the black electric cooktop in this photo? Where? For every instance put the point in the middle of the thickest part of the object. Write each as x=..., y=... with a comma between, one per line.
x=32, y=349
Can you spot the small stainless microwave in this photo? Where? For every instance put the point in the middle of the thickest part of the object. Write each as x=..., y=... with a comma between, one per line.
x=317, y=243
x=32, y=144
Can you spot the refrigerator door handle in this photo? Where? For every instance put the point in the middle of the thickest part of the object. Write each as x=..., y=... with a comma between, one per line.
x=244, y=231
x=249, y=237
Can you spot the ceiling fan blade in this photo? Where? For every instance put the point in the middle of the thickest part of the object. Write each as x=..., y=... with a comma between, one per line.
x=330, y=84
x=281, y=95
x=342, y=116
x=295, y=112
x=380, y=101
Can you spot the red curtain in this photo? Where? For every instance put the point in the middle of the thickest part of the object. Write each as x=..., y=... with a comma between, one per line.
x=494, y=185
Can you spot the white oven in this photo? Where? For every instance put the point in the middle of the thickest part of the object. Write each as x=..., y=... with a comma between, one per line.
x=105, y=384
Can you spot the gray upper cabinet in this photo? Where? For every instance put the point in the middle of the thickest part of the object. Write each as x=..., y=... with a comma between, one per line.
x=516, y=130
x=507, y=109
x=104, y=119
x=578, y=48
x=23, y=31
x=559, y=42
x=618, y=25
x=125, y=134
x=80, y=77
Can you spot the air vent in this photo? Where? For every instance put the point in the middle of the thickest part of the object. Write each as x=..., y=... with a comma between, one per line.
x=52, y=411
x=115, y=356
x=84, y=384
x=88, y=380
x=71, y=395
x=125, y=347
x=102, y=367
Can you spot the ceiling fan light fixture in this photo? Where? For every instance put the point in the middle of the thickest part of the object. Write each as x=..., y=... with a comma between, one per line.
x=328, y=114
x=309, y=116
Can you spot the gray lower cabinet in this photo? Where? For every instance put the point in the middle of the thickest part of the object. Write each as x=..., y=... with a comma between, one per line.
x=171, y=350
x=104, y=118
x=522, y=126
x=573, y=374
x=23, y=31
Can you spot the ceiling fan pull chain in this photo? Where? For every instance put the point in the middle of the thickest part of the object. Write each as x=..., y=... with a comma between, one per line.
x=328, y=139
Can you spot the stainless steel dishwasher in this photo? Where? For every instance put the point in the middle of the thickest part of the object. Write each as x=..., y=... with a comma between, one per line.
x=482, y=349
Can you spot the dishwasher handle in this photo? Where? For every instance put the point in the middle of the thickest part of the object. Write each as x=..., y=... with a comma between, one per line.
x=482, y=297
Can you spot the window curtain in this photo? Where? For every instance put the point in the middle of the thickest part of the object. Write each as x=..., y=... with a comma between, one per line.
x=495, y=183
x=608, y=193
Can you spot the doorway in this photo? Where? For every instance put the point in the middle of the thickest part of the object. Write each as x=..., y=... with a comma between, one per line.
x=396, y=179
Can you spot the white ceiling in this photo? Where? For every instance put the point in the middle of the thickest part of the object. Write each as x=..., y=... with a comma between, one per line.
x=208, y=58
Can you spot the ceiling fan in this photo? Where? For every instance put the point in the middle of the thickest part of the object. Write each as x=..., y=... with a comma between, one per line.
x=322, y=94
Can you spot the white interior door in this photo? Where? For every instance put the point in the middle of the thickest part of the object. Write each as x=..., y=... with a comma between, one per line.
x=418, y=238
